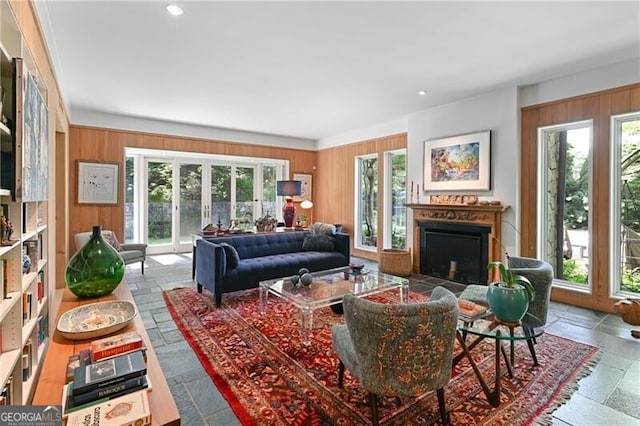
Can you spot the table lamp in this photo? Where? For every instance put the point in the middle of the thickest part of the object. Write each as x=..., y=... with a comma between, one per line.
x=288, y=189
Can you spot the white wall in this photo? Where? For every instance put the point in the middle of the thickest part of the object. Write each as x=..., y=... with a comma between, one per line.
x=388, y=128
x=139, y=124
x=496, y=111
x=609, y=77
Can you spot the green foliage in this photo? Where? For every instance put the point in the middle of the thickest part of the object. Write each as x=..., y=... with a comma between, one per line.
x=631, y=280
x=572, y=271
x=577, y=192
x=512, y=281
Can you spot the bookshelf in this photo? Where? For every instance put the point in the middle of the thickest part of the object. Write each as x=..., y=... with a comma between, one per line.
x=24, y=291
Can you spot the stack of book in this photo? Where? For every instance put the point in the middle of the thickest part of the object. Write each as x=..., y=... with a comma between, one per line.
x=109, y=378
x=469, y=311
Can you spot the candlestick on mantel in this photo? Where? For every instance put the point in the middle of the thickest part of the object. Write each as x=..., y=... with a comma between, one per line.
x=418, y=194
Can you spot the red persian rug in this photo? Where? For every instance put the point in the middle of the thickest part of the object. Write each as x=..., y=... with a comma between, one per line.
x=270, y=378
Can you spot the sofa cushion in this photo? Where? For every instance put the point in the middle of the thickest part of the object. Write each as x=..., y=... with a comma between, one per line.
x=322, y=228
x=314, y=242
x=232, y=255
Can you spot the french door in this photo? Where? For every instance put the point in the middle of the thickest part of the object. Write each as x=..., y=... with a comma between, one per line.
x=173, y=204
x=182, y=197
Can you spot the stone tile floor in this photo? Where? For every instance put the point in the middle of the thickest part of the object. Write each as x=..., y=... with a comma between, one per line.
x=609, y=396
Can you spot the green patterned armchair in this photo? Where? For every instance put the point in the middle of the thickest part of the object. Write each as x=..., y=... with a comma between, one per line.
x=539, y=272
x=398, y=349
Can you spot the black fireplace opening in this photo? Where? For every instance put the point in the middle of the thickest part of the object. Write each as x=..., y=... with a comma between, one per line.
x=457, y=252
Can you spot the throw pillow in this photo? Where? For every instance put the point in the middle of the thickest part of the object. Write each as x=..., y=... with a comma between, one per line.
x=232, y=255
x=313, y=242
x=322, y=228
x=110, y=237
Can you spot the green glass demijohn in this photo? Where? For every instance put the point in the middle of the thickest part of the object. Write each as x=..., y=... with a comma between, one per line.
x=96, y=269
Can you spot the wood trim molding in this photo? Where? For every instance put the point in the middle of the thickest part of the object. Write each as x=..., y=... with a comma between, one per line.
x=486, y=215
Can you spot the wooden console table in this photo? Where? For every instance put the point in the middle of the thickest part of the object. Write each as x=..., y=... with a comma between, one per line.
x=53, y=374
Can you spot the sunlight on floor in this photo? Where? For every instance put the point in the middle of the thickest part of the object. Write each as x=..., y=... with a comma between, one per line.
x=171, y=259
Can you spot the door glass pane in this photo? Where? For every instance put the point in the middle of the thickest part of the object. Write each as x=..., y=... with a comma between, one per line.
x=129, y=205
x=269, y=191
x=564, y=228
x=244, y=197
x=629, y=204
x=190, y=200
x=368, y=202
x=221, y=195
x=398, y=199
x=159, y=211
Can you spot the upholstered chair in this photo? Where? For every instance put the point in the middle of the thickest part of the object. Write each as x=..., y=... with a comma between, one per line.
x=539, y=272
x=130, y=252
x=398, y=349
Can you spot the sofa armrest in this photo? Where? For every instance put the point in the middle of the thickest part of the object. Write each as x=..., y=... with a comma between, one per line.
x=211, y=263
x=343, y=244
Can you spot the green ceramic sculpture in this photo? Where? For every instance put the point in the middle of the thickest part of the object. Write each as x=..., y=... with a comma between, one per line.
x=96, y=269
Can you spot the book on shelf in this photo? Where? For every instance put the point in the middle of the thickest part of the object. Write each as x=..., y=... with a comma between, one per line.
x=111, y=391
x=130, y=409
x=27, y=361
x=31, y=249
x=40, y=287
x=6, y=395
x=42, y=329
x=115, y=345
x=103, y=373
x=27, y=300
x=469, y=310
x=5, y=279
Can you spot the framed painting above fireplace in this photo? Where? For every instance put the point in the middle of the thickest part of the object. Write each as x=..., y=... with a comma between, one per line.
x=458, y=162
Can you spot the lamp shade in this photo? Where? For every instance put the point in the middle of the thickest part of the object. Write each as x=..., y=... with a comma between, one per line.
x=288, y=188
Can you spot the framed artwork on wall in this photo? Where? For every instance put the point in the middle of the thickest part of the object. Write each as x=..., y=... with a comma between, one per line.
x=458, y=163
x=98, y=182
x=306, y=187
x=35, y=143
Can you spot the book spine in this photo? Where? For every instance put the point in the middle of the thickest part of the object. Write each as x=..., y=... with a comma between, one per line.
x=98, y=355
x=116, y=389
x=115, y=380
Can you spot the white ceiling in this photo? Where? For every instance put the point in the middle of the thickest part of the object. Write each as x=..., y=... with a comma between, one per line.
x=317, y=69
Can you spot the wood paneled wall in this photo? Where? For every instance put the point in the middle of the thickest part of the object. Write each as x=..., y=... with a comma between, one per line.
x=333, y=202
x=97, y=144
x=598, y=107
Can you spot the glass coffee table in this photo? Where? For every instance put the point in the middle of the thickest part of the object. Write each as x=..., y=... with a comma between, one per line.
x=328, y=288
x=526, y=330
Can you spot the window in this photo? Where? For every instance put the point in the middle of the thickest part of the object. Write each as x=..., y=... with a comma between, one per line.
x=366, y=220
x=564, y=205
x=625, y=205
x=395, y=212
x=170, y=195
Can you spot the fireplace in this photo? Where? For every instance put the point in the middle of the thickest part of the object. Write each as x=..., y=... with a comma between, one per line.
x=473, y=231
x=454, y=251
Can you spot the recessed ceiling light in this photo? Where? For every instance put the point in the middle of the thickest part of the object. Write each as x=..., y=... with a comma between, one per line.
x=175, y=10
x=422, y=92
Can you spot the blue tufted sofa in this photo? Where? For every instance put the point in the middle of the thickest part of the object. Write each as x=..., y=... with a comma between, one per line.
x=261, y=257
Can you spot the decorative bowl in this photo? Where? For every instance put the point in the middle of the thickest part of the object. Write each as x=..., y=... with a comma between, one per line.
x=356, y=267
x=96, y=319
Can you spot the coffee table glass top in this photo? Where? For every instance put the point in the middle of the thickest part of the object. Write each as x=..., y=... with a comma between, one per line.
x=490, y=327
x=328, y=287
